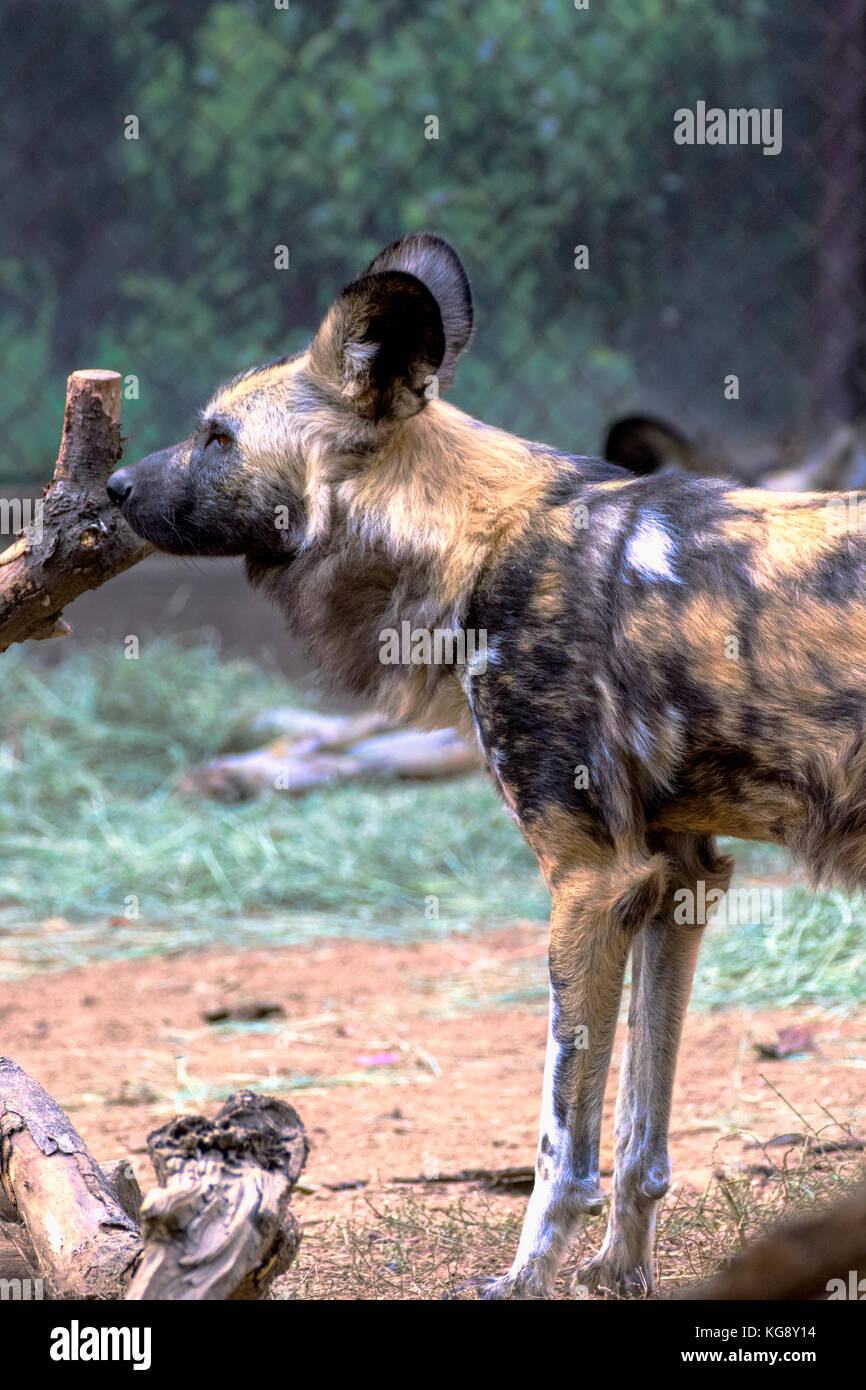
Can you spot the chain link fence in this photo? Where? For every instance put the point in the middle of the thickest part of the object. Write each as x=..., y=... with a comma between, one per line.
x=660, y=204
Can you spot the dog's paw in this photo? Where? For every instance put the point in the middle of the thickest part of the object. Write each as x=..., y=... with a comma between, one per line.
x=603, y=1277
x=520, y=1286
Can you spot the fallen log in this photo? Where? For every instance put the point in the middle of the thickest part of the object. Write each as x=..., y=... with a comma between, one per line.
x=296, y=765
x=18, y=1260
x=84, y=1243
x=219, y=1225
x=78, y=539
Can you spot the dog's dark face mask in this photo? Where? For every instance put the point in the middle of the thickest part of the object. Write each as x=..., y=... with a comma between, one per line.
x=219, y=492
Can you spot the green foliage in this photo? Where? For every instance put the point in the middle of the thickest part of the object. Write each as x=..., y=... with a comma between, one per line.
x=305, y=126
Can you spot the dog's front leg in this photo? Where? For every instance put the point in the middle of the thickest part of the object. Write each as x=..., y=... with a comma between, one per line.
x=592, y=924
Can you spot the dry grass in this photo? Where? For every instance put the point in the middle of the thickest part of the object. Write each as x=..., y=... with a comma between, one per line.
x=410, y=1244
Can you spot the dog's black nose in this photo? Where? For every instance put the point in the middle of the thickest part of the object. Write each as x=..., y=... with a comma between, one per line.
x=119, y=486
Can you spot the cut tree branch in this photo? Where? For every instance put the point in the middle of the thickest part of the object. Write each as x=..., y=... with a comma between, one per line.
x=78, y=538
x=219, y=1226
x=84, y=1242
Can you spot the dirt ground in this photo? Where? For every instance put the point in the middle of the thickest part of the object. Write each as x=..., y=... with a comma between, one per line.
x=403, y=1061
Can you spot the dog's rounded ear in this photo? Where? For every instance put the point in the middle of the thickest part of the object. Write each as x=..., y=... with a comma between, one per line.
x=438, y=266
x=392, y=339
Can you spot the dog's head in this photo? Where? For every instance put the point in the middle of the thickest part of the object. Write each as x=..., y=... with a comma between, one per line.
x=255, y=471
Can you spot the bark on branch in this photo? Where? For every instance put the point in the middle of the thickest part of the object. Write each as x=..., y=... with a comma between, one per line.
x=77, y=539
x=85, y=1244
x=219, y=1227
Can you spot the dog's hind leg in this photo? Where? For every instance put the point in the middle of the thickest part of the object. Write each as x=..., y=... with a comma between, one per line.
x=663, y=961
x=594, y=918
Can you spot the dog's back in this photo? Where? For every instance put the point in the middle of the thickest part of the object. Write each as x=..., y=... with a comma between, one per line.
x=698, y=650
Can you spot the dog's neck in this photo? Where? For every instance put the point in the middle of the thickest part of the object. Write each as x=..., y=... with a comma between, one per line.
x=402, y=539
x=444, y=491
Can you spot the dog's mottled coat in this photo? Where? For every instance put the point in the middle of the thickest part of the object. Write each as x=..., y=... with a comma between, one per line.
x=668, y=659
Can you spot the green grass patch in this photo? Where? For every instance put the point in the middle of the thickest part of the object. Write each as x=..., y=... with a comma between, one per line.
x=94, y=828
x=92, y=755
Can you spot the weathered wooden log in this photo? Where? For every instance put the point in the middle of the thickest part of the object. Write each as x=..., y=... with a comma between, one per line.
x=219, y=1225
x=296, y=766
x=817, y=1256
x=78, y=539
x=84, y=1242
x=18, y=1258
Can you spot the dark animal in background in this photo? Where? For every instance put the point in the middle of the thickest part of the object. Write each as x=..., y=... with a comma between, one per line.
x=667, y=659
x=645, y=445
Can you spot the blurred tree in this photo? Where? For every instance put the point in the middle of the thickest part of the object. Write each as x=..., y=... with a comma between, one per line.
x=306, y=127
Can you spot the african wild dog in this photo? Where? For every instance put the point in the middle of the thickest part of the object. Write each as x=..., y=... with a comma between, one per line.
x=668, y=658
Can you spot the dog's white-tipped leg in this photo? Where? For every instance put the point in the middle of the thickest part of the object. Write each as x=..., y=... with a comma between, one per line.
x=593, y=921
